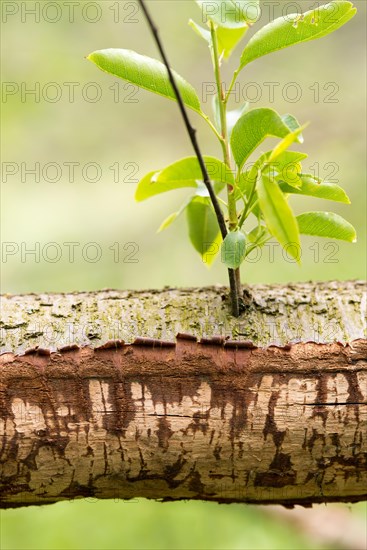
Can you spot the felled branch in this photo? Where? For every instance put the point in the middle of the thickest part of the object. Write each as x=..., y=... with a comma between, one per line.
x=164, y=395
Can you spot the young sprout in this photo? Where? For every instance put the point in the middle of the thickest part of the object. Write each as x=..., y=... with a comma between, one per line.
x=260, y=190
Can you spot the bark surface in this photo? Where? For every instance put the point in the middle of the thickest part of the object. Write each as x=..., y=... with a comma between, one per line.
x=162, y=394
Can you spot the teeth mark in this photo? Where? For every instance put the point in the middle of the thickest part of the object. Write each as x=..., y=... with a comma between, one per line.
x=72, y=347
x=189, y=337
x=111, y=344
x=38, y=351
x=153, y=343
x=214, y=341
x=240, y=344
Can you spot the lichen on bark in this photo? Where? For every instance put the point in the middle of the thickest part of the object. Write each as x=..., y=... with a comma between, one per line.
x=275, y=314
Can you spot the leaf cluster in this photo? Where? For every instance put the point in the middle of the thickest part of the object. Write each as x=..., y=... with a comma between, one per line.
x=260, y=189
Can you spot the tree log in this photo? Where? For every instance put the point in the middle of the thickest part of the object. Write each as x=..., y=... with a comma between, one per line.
x=164, y=395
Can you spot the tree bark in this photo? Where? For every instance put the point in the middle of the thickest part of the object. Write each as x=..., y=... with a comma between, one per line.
x=164, y=395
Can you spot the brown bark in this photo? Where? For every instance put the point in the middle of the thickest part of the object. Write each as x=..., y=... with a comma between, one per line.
x=210, y=415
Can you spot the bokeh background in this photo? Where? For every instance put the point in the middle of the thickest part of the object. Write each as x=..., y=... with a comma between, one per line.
x=80, y=119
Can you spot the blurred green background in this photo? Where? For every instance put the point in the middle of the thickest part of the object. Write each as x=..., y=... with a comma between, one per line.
x=77, y=116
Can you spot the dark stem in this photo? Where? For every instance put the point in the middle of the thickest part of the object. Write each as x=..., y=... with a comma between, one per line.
x=235, y=289
x=192, y=134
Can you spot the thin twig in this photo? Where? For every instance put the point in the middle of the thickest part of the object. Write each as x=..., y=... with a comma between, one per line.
x=190, y=129
x=192, y=133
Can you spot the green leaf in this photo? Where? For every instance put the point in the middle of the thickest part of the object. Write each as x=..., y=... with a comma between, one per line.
x=288, y=159
x=188, y=170
x=234, y=116
x=231, y=14
x=203, y=228
x=183, y=173
x=245, y=184
x=258, y=236
x=149, y=186
x=146, y=73
x=288, y=168
x=200, y=31
x=317, y=188
x=293, y=125
x=290, y=177
x=278, y=215
x=227, y=38
x=251, y=130
x=234, y=249
x=280, y=168
x=168, y=221
x=295, y=29
x=173, y=217
x=326, y=224
x=287, y=142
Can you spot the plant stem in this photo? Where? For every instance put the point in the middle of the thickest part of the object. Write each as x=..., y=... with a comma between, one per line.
x=209, y=122
x=192, y=134
x=232, y=209
x=233, y=82
x=248, y=206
